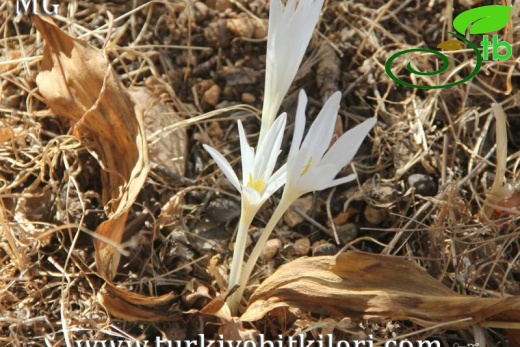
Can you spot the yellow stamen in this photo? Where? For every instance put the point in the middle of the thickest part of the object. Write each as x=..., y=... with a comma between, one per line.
x=258, y=185
x=306, y=167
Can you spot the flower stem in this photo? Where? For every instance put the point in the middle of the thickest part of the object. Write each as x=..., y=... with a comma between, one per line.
x=246, y=217
x=257, y=250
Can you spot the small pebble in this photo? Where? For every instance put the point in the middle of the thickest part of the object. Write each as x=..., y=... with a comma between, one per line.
x=323, y=248
x=346, y=232
x=423, y=184
x=217, y=34
x=292, y=218
x=260, y=29
x=222, y=5
x=271, y=248
x=302, y=246
x=375, y=215
x=223, y=210
x=212, y=95
x=248, y=98
x=236, y=76
x=201, y=11
x=215, y=130
x=242, y=26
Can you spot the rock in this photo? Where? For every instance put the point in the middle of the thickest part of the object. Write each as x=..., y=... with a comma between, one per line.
x=271, y=248
x=292, y=218
x=223, y=210
x=248, y=98
x=323, y=248
x=236, y=76
x=217, y=33
x=302, y=246
x=222, y=5
x=423, y=184
x=212, y=95
x=241, y=26
x=201, y=11
x=347, y=232
x=375, y=215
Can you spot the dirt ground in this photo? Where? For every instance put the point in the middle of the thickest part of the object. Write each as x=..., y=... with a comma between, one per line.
x=424, y=173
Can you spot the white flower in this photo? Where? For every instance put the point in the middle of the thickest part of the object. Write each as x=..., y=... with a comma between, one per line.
x=310, y=166
x=258, y=181
x=258, y=184
x=289, y=32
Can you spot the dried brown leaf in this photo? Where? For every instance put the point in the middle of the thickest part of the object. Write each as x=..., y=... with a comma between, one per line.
x=364, y=286
x=77, y=82
x=138, y=299
x=172, y=207
x=134, y=307
x=217, y=306
x=231, y=328
x=235, y=331
x=166, y=148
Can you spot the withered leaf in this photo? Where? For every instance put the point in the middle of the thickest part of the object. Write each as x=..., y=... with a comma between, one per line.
x=166, y=148
x=134, y=307
x=216, y=305
x=231, y=328
x=138, y=299
x=77, y=82
x=363, y=286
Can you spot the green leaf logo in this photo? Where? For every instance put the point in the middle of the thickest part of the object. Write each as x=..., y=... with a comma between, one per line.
x=482, y=19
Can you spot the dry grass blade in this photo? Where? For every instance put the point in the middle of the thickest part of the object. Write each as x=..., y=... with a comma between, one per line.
x=77, y=82
x=364, y=286
x=497, y=190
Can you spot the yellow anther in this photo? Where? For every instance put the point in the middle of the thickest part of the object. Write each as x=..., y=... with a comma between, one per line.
x=306, y=167
x=258, y=185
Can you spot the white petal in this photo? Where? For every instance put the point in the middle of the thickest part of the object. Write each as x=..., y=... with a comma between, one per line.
x=275, y=21
x=280, y=173
x=319, y=178
x=296, y=164
x=299, y=124
x=341, y=180
x=223, y=164
x=286, y=47
x=276, y=181
x=248, y=154
x=275, y=18
x=269, y=147
x=345, y=148
x=253, y=198
x=320, y=134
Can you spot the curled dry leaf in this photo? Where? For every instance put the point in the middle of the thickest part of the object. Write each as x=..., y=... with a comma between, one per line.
x=138, y=299
x=364, y=286
x=77, y=82
x=134, y=307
